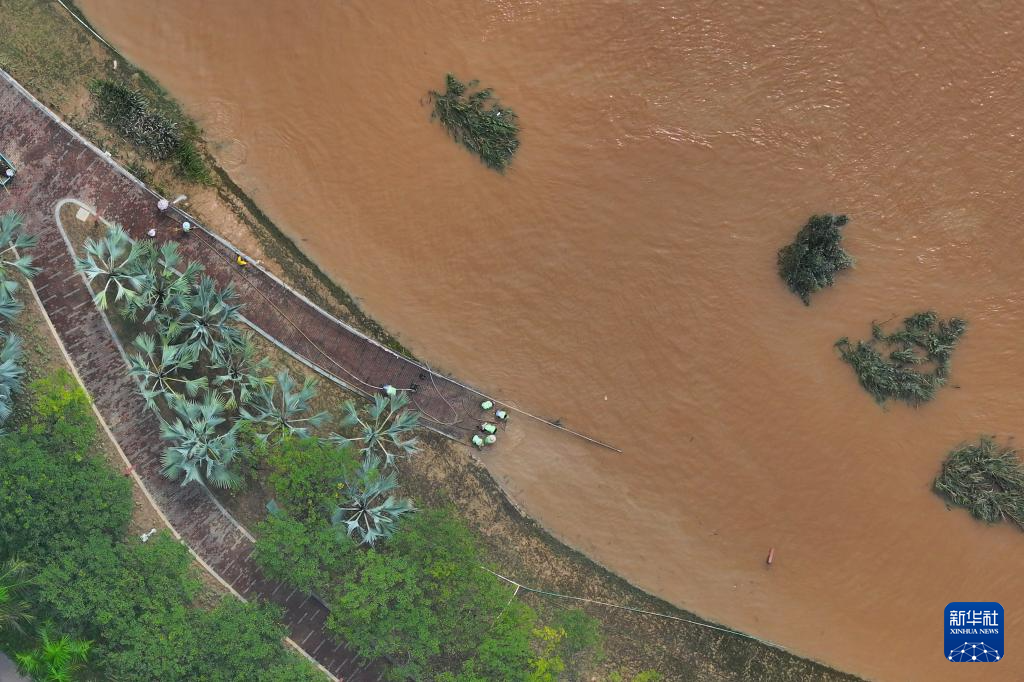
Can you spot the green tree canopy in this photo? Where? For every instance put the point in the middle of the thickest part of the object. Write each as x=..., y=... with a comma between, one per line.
x=423, y=599
x=305, y=473
x=49, y=502
x=98, y=588
x=304, y=556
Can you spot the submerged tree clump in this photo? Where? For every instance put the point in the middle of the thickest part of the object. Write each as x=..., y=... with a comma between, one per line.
x=478, y=121
x=814, y=258
x=911, y=363
x=986, y=480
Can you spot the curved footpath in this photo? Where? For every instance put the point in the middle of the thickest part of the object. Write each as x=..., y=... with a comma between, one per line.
x=55, y=163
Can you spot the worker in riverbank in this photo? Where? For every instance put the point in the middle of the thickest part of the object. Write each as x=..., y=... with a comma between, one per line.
x=163, y=205
x=241, y=261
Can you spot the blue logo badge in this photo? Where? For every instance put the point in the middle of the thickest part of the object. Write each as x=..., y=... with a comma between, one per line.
x=974, y=632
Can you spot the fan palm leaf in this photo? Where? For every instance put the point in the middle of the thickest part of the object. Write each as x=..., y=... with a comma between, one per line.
x=159, y=367
x=13, y=242
x=10, y=307
x=207, y=318
x=368, y=511
x=14, y=582
x=201, y=449
x=279, y=407
x=164, y=286
x=115, y=261
x=239, y=371
x=383, y=429
x=11, y=374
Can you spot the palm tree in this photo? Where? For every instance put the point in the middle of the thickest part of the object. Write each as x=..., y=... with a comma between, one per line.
x=14, y=581
x=279, y=406
x=383, y=430
x=202, y=449
x=116, y=261
x=164, y=286
x=55, y=660
x=239, y=372
x=10, y=307
x=13, y=241
x=207, y=316
x=11, y=374
x=159, y=369
x=365, y=511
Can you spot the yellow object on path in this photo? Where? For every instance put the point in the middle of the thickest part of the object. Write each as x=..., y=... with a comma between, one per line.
x=241, y=261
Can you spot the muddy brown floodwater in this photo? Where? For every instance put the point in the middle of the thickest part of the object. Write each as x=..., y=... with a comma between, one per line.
x=621, y=276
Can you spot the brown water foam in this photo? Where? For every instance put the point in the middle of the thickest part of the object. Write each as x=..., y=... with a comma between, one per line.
x=621, y=276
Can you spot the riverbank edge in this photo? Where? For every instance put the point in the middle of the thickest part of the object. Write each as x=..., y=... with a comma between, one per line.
x=304, y=275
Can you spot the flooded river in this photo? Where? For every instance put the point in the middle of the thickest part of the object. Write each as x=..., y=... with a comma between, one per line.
x=621, y=276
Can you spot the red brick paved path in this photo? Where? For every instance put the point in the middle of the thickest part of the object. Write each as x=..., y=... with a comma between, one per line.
x=53, y=164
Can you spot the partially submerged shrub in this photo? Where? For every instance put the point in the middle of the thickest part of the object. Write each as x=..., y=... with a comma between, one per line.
x=814, y=258
x=986, y=480
x=129, y=113
x=132, y=115
x=911, y=363
x=473, y=117
x=191, y=165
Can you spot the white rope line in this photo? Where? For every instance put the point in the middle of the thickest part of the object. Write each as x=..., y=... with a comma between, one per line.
x=520, y=586
x=87, y=27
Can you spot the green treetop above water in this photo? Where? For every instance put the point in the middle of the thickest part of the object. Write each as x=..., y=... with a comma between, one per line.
x=475, y=118
x=986, y=480
x=815, y=257
x=911, y=363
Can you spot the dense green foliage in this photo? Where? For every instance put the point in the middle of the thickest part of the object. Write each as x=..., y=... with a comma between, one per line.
x=98, y=587
x=52, y=493
x=64, y=510
x=985, y=479
x=316, y=480
x=61, y=413
x=473, y=117
x=233, y=642
x=909, y=364
x=815, y=257
x=426, y=596
x=582, y=641
x=305, y=473
x=420, y=599
x=304, y=556
x=505, y=651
